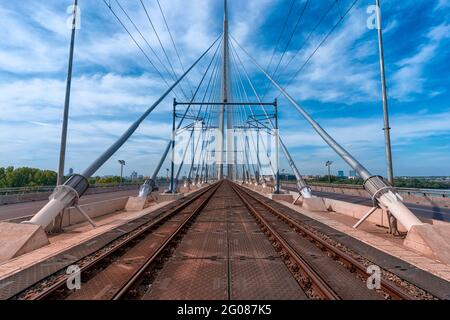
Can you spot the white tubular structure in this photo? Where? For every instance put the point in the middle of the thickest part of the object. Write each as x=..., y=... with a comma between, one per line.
x=305, y=191
x=382, y=193
x=69, y=193
x=388, y=197
x=395, y=205
x=63, y=197
x=147, y=188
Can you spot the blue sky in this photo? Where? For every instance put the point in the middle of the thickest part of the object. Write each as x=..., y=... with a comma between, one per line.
x=340, y=86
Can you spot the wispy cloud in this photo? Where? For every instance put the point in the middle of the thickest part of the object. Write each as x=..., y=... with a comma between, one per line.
x=410, y=78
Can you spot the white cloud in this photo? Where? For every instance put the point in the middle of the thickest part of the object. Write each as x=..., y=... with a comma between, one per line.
x=443, y=4
x=410, y=78
x=98, y=95
x=23, y=49
x=339, y=71
x=364, y=139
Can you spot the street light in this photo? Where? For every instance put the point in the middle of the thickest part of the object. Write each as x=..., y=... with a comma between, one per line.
x=286, y=176
x=122, y=163
x=328, y=164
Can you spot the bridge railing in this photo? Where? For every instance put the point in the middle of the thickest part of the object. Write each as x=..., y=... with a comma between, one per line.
x=439, y=193
x=46, y=189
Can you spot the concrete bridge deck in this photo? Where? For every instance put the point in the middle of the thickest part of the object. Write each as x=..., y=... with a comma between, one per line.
x=244, y=216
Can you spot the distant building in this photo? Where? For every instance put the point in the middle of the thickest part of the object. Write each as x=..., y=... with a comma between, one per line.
x=352, y=175
x=134, y=176
x=311, y=177
x=70, y=171
x=341, y=174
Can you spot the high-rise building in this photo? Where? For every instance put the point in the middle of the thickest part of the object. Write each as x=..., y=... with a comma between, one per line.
x=341, y=174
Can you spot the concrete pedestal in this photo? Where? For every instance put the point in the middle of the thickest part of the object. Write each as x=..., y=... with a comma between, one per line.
x=314, y=204
x=257, y=188
x=267, y=190
x=430, y=240
x=282, y=197
x=18, y=239
x=164, y=197
x=185, y=189
x=136, y=204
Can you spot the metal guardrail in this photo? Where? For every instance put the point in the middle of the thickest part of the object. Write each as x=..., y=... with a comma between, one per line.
x=442, y=193
x=43, y=189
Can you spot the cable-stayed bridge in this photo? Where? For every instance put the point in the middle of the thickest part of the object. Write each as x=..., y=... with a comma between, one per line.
x=233, y=218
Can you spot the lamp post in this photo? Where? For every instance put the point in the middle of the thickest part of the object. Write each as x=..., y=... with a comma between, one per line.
x=328, y=164
x=122, y=163
x=387, y=128
x=62, y=151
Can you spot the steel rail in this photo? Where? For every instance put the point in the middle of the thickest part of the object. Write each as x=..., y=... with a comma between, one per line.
x=141, y=271
x=321, y=287
x=393, y=290
x=47, y=292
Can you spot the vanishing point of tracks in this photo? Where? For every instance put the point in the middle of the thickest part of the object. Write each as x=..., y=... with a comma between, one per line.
x=226, y=242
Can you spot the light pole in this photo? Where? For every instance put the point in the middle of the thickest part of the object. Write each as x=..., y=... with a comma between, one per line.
x=122, y=163
x=62, y=151
x=328, y=164
x=387, y=128
x=167, y=176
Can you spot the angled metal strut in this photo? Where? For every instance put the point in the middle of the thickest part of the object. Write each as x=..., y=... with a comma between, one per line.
x=69, y=193
x=381, y=191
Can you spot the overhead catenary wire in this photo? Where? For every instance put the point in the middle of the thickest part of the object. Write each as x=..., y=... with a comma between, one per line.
x=373, y=184
x=244, y=115
x=280, y=36
x=302, y=185
x=161, y=44
x=160, y=74
x=174, y=44
x=288, y=43
x=77, y=185
x=208, y=113
x=108, y=153
x=316, y=26
x=215, y=90
x=169, y=145
x=172, y=74
x=320, y=44
x=243, y=94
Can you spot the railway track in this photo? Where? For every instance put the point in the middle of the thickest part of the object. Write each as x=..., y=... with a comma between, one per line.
x=124, y=262
x=312, y=256
x=225, y=243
